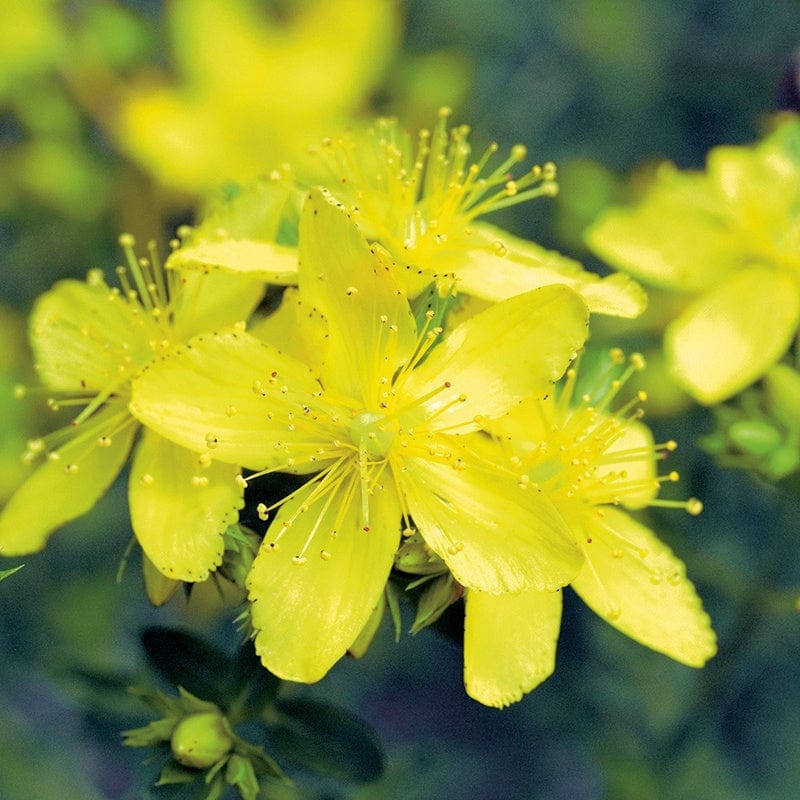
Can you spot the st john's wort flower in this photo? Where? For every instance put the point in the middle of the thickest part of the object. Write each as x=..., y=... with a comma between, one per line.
x=89, y=341
x=593, y=463
x=376, y=416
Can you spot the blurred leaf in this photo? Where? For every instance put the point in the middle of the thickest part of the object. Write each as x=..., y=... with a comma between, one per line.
x=187, y=661
x=251, y=684
x=325, y=739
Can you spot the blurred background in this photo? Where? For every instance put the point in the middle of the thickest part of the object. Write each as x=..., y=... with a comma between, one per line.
x=122, y=115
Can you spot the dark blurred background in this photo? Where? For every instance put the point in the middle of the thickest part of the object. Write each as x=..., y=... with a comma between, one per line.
x=601, y=87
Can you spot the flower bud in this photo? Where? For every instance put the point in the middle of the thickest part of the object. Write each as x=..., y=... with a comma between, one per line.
x=201, y=740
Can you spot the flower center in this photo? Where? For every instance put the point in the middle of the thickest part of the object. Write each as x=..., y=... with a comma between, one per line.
x=373, y=434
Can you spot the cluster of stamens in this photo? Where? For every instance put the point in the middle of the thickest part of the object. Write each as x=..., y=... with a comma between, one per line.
x=355, y=449
x=145, y=294
x=580, y=452
x=414, y=196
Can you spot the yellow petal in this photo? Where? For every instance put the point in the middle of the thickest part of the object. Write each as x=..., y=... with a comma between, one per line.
x=512, y=350
x=180, y=507
x=68, y=485
x=308, y=614
x=758, y=184
x=239, y=233
x=216, y=394
x=509, y=644
x=295, y=327
x=493, y=534
x=636, y=441
x=732, y=335
x=499, y=265
x=634, y=582
x=209, y=301
x=372, y=330
x=85, y=339
x=677, y=237
x=264, y=260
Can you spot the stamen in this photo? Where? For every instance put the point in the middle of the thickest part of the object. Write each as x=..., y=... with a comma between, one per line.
x=413, y=195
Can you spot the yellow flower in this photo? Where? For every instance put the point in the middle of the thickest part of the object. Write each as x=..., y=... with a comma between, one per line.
x=422, y=202
x=376, y=415
x=89, y=341
x=590, y=462
x=728, y=239
x=252, y=87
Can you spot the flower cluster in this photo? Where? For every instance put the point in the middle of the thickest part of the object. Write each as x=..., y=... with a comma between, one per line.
x=413, y=436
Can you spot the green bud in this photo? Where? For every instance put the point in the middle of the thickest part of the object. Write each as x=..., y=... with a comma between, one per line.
x=434, y=601
x=201, y=740
x=783, y=461
x=782, y=388
x=413, y=556
x=754, y=436
x=241, y=546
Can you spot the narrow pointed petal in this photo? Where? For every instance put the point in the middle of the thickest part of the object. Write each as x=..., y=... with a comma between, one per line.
x=509, y=644
x=308, y=614
x=523, y=265
x=239, y=230
x=512, y=350
x=64, y=488
x=86, y=338
x=732, y=335
x=493, y=534
x=266, y=261
x=635, y=583
x=216, y=395
x=372, y=330
x=180, y=507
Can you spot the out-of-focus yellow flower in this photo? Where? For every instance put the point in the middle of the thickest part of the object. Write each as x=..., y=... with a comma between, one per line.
x=51, y=52
x=589, y=461
x=376, y=413
x=89, y=341
x=253, y=88
x=729, y=239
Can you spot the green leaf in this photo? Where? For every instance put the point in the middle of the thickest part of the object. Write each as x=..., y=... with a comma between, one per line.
x=328, y=740
x=151, y=735
x=4, y=573
x=434, y=601
x=262, y=763
x=175, y=773
x=215, y=788
x=240, y=773
x=392, y=600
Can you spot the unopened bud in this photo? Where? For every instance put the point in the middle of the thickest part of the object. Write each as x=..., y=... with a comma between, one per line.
x=201, y=740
